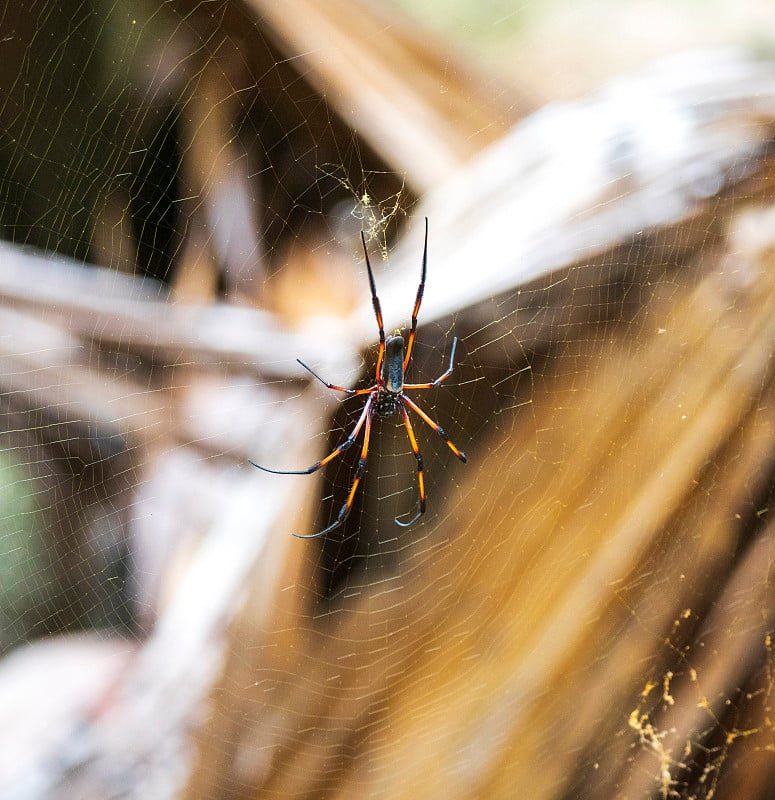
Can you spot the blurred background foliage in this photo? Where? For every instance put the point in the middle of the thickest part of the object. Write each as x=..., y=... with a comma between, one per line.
x=93, y=97
x=101, y=105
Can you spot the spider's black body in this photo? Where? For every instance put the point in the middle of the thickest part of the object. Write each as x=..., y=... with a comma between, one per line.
x=388, y=400
x=385, y=398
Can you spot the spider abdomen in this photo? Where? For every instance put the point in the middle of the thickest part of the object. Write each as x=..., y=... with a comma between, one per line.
x=393, y=365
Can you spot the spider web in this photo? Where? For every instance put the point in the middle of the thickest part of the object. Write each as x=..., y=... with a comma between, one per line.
x=585, y=608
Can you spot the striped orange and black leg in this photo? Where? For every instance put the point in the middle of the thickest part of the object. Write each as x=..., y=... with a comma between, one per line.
x=377, y=310
x=361, y=469
x=441, y=377
x=420, y=474
x=418, y=300
x=436, y=427
x=331, y=456
x=333, y=385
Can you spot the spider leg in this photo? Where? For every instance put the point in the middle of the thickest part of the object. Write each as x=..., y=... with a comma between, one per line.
x=420, y=476
x=345, y=510
x=442, y=377
x=420, y=291
x=436, y=427
x=333, y=385
x=331, y=456
x=377, y=309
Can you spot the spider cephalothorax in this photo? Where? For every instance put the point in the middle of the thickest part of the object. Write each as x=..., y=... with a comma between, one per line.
x=385, y=398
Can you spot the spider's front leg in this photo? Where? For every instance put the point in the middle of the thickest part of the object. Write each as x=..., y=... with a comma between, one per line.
x=418, y=300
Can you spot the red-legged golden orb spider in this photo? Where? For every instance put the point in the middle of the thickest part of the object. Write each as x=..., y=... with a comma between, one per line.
x=385, y=398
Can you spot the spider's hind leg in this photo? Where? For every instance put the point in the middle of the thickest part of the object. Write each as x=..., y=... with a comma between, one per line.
x=332, y=455
x=436, y=427
x=359, y=472
x=420, y=475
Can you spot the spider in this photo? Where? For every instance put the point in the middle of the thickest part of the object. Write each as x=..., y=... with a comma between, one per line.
x=385, y=398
